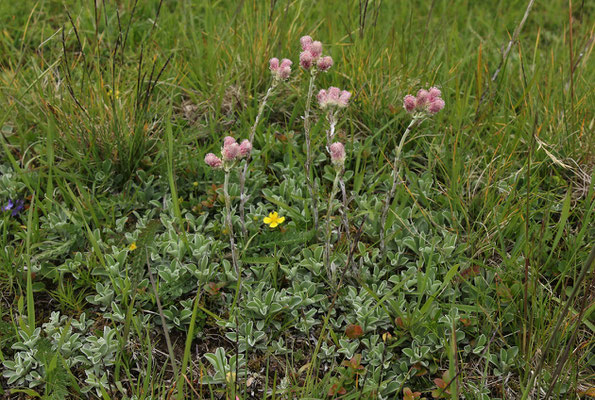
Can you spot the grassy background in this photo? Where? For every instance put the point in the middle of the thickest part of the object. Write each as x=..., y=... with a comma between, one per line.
x=108, y=111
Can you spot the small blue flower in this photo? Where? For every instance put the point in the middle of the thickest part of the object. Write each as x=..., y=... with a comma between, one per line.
x=15, y=207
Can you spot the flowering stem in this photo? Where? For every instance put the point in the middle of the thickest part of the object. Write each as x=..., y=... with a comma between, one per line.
x=234, y=256
x=308, y=165
x=327, y=248
x=330, y=133
x=243, y=196
x=344, y=208
x=396, y=175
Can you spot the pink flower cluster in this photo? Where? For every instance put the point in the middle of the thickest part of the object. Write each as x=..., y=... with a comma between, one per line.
x=230, y=152
x=428, y=101
x=280, y=71
x=333, y=97
x=337, y=151
x=312, y=55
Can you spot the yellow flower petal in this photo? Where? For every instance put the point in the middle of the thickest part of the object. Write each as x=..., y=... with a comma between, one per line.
x=274, y=215
x=274, y=224
x=267, y=220
x=132, y=247
x=280, y=220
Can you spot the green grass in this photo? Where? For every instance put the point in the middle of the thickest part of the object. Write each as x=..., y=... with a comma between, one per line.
x=106, y=115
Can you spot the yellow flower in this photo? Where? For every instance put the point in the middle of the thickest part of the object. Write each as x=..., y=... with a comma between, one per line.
x=273, y=219
x=132, y=246
x=110, y=93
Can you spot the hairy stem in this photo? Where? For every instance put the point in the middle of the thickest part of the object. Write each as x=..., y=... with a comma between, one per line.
x=330, y=133
x=234, y=256
x=327, y=247
x=243, y=196
x=310, y=180
x=396, y=175
x=344, y=207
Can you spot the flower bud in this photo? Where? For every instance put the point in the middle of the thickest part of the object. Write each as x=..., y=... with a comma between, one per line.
x=228, y=140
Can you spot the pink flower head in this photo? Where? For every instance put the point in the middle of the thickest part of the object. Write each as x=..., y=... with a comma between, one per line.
x=285, y=69
x=433, y=93
x=286, y=63
x=213, y=161
x=228, y=140
x=315, y=49
x=324, y=63
x=333, y=94
x=426, y=101
x=274, y=64
x=305, y=41
x=245, y=147
x=322, y=98
x=344, y=98
x=306, y=59
x=436, y=105
x=230, y=151
x=333, y=97
x=337, y=151
x=409, y=103
x=422, y=97
x=280, y=71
